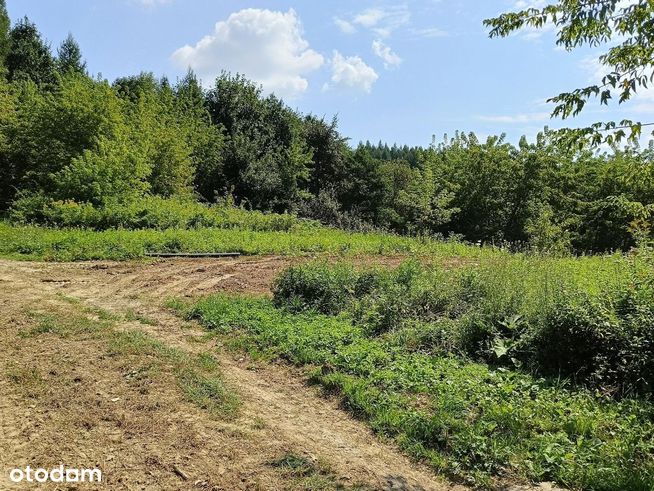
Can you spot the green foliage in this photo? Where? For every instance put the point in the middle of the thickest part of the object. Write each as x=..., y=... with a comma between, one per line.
x=69, y=57
x=558, y=317
x=467, y=419
x=628, y=61
x=266, y=158
x=326, y=289
x=7, y=166
x=106, y=174
x=74, y=125
x=29, y=57
x=545, y=235
x=150, y=212
x=5, y=26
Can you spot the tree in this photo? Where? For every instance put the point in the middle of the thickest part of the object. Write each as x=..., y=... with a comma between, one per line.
x=133, y=87
x=158, y=133
x=207, y=140
x=629, y=62
x=329, y=154
x=267, y=160
x=5, y=25
x=29, y=57
x=69, y=57
x=55, y=127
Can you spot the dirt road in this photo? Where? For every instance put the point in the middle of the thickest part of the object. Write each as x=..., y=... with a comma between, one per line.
x=70, y=399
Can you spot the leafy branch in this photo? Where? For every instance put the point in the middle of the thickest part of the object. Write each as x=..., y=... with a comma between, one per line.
x=594, y=23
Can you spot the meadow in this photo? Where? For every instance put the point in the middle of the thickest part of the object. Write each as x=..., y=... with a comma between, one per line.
x=516, y=369
x=31, y=242
x=492, y=367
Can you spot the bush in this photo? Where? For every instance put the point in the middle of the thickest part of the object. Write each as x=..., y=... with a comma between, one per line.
x=578, y=339
x=148, y=213
x=543, y=315
x=317, y=286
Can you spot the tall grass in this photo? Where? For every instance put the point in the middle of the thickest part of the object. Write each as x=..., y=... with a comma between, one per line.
x=588, y=319
x=72, y=244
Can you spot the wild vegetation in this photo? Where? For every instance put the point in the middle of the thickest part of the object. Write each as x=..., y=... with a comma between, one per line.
x=534, y=369
x=515, y=344
x=142, y=152
x=53, y=244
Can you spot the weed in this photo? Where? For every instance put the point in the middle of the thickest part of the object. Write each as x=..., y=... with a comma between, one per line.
x=470, y=420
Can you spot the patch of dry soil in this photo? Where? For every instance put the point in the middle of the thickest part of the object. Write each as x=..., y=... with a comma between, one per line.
x=83, y=410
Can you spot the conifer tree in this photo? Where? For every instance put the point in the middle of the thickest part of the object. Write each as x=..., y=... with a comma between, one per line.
x=29, y=57
x=69, y=57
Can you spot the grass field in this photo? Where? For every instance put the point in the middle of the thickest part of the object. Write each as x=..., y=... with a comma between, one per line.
x=491, y=367
x=457, y=365
x=52, y=244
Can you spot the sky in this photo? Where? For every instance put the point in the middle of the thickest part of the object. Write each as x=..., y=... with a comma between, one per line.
x=396, y=72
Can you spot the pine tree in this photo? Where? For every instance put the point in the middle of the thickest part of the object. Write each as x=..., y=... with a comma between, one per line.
x=69, y=57
x=29, y=56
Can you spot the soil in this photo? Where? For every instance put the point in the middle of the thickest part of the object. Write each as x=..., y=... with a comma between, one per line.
x=68, y=400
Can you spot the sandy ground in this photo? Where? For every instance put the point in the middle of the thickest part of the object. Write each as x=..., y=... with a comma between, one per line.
x=68, y=400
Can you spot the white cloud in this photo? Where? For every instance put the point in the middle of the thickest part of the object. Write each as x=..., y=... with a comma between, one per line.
x=345, y=26
x=352, y=73
x=370, y=17
x=265, y=46
x=383, y=21
x=516, y=118
x=385, y=52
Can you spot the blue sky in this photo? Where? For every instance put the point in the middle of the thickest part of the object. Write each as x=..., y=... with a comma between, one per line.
x=398, y=72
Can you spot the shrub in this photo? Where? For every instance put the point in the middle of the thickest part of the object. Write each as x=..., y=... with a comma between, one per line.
x=543, y=315
x=317, y=286
x=578, y=338
x=151, y=212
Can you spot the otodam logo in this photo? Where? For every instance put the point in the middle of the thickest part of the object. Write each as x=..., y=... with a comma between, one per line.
x=56, y=474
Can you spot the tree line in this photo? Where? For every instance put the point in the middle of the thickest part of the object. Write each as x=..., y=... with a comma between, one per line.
x=68, y=138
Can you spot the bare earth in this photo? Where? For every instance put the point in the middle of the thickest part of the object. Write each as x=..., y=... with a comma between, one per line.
x=84, y=408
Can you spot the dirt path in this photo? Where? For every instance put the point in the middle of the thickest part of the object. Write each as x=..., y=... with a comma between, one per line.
x=288, y=416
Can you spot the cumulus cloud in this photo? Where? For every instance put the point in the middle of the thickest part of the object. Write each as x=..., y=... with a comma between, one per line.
x=385, y=52
x=351, y=73
x=265, y=46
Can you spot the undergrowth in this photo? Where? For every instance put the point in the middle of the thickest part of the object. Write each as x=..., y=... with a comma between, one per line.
x=492, y=372
x=72, y=244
